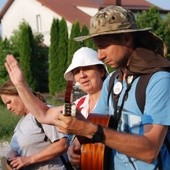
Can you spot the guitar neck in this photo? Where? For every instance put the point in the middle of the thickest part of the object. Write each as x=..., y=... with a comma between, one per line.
x=68, y=99
x=68, y=108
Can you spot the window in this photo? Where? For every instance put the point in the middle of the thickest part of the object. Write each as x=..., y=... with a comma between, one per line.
x=38, y=22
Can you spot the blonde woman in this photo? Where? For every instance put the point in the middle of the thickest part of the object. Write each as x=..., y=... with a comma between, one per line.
x=34, y=146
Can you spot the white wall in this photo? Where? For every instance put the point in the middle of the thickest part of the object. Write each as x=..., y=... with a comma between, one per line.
x=28, y=10
x=89, y=11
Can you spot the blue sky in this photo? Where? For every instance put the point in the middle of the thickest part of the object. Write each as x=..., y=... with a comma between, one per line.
x=2, y=2
x=164, y=4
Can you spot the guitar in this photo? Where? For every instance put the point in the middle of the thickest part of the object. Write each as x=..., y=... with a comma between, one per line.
x=94, y=156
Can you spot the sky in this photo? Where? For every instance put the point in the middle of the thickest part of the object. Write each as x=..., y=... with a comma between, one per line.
x=2, y=2
x=164, y=4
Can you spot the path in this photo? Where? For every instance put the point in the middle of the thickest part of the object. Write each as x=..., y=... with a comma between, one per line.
x=4, y=149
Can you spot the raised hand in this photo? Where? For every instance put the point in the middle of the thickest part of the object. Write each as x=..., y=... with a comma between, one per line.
x=13, y=69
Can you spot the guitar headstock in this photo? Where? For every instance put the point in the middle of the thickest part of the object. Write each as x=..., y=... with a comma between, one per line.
x=68, y=99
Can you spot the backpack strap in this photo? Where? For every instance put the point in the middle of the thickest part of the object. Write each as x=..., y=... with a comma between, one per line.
x=141, y=94
x=167, y=144
x=111, y=83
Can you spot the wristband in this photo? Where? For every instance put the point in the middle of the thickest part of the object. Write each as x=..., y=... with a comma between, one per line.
x=98, y=136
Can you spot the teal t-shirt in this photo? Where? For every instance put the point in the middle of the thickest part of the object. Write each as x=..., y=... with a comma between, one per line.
x=156, y=111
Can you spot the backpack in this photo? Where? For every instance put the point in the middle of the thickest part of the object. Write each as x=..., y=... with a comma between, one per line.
x=140, y=99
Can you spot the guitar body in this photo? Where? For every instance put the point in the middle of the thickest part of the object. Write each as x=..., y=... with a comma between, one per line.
x=96, y=156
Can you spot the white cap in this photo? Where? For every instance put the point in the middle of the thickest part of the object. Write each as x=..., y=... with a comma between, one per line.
x=83, y=57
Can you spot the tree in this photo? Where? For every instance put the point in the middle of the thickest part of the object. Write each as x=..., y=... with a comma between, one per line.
x=6, y=48
x=89, y=42
x=150, y=19
x=54, y=67
x=166, y=25
x=73, y=45
x=27, y=54
x=160, y=26
x=41, y=63
x=63, y=51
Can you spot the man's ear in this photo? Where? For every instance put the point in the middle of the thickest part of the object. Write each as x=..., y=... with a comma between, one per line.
x=128, y=39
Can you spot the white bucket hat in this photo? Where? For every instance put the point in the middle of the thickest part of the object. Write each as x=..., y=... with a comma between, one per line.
x=83, y=57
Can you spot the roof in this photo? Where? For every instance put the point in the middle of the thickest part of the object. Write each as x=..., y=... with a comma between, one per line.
x=68, y=8
x=5, y=8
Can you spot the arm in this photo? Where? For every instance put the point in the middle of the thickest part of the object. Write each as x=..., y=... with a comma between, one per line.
x=39, y=109
x=145, y=148
x=53, y=150
x=74, y=152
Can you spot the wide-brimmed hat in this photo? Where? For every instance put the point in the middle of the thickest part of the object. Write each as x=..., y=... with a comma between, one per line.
x=116, y=20
x=83, y=57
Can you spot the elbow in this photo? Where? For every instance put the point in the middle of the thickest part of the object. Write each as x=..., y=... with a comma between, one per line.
x=43, y=117
x=151, y=156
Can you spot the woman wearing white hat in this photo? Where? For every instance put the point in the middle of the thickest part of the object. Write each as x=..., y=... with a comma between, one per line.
x=86, y=70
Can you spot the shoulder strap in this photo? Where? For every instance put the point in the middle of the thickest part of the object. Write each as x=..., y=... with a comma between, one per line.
x=41, y=127
x=141, y=90
x=66, y=163
x=111, y=83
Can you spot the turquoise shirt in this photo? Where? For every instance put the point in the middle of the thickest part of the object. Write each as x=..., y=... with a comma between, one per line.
x=156, y=111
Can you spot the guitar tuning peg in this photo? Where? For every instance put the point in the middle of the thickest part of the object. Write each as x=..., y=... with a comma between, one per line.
x=67, y=109
x=73, y=110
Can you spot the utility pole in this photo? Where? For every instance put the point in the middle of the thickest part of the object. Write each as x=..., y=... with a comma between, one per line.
x=112, y=2
x=118, y=2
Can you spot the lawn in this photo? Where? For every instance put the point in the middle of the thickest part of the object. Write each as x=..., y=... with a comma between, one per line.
x=8, y=121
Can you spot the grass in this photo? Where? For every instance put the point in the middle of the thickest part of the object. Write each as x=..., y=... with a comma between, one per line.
x=8, y=121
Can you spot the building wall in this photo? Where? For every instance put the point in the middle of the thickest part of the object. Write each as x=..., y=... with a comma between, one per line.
x=32, y=12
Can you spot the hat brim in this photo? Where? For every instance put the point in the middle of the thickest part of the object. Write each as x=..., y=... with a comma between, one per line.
x=81, y=38
x=68, y=75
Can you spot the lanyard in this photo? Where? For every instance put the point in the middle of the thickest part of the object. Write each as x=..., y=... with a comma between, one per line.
x=118, y=111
